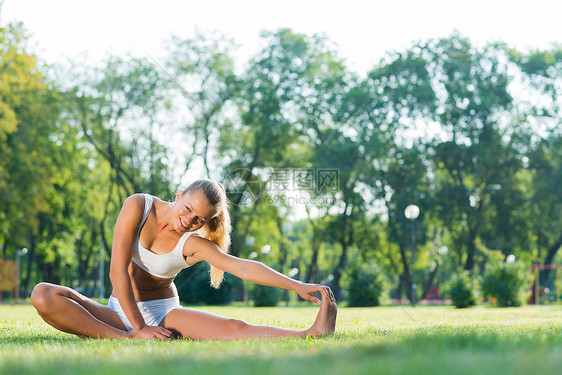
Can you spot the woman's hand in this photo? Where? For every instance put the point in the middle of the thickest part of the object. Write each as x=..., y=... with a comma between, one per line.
x=306, y=291
x=152, y=332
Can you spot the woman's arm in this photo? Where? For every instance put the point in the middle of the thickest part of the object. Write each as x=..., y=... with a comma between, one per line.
x=252, y=271
x=124, y=238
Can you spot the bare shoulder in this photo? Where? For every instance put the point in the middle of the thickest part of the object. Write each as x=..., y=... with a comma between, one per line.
x=127, y=224
x=197, y=248
x=137, y=198
x=196, y=241
x=133, y=208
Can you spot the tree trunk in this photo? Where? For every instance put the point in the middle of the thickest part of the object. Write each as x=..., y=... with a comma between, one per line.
x=335, y=285
x=345, y=240
x=407, y=274
x=471, y=250
x=431, y=278
x=106, y=243
x=283, y=249
x=403, y=286
x=312, y=270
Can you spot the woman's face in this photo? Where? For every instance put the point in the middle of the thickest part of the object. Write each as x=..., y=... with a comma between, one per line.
x=192, y=211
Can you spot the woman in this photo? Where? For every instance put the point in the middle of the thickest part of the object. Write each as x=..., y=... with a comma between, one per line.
x=152, y=242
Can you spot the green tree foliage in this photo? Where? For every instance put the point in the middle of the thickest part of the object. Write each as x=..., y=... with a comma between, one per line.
x=470, y=134
x=116, y=107
x=366, y=285
x=541, y=73
x=201, y=72
x=194, y=287
x=505, y=283
x=383, y=108
x=30, y=145
x=265, y=295
x=462, y=290
x=475, y=160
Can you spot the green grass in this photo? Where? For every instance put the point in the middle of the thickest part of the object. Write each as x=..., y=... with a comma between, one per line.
x=385, y=340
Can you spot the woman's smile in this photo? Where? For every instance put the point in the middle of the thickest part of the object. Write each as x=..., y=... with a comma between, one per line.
x=183, y=225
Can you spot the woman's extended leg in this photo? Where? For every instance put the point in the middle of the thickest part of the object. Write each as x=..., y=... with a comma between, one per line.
x=69, y=311
x=202, y=325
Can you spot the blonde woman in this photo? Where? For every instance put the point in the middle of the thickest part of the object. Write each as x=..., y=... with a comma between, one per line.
x=153, y=241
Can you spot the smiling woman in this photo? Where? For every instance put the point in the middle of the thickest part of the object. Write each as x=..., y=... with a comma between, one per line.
x=153, y=241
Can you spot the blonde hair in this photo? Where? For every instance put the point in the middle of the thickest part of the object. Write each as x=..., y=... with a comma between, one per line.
x=218, y=228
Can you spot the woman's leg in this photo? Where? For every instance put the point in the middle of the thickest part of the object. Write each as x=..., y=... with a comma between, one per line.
x=200, y=325
x=69, y=311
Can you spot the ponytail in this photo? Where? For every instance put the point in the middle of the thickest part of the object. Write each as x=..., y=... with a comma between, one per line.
x=217, y=230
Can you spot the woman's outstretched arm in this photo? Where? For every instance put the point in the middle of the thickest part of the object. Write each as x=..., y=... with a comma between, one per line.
x=252, y=271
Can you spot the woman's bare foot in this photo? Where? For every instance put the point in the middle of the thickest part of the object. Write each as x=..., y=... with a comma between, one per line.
x=325, y=322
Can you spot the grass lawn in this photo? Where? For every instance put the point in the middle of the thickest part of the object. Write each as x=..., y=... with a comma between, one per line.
x=384, y=340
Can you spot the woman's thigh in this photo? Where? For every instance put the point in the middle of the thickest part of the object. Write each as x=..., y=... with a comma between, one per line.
x=102, y=312
x=201, y=325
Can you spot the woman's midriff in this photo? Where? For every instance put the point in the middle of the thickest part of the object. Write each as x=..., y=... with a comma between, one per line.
x=147, y=287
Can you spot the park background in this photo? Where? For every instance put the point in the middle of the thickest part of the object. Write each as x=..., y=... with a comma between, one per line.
x=320, y=154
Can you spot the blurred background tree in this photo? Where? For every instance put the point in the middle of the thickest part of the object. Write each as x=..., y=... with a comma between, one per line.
x=470, y=134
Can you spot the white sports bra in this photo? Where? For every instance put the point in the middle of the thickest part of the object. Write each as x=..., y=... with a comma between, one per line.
x=165, y=266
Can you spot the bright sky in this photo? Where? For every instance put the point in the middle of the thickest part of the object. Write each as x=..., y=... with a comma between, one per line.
x=362, y=29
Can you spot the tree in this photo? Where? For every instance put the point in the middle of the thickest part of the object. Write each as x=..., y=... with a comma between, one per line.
x=472, y=160
x=201, y=70
x=117, y=107
x=541, y=73
x=28, y=113
x=383, y=109
x=543, y=207
x=269, y=135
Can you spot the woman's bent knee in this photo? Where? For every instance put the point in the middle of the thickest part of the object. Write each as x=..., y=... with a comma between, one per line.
x=42, y=296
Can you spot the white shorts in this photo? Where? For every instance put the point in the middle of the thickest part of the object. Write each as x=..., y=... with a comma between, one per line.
x=153, y=311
